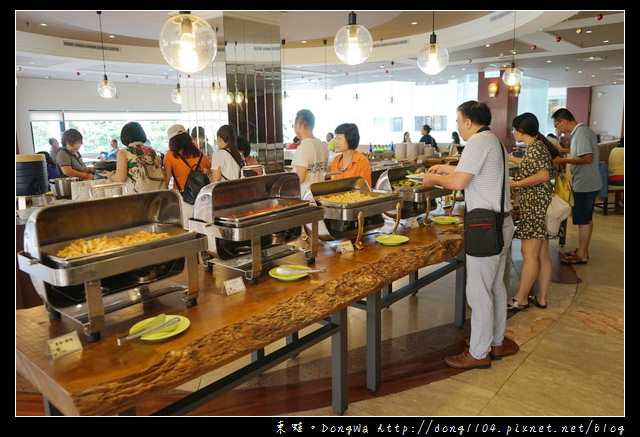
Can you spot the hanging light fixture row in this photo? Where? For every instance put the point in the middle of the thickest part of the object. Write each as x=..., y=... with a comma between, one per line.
x=353, y=45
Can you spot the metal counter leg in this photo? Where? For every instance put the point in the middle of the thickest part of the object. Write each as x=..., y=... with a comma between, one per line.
x=373, y=341
x=339, y=352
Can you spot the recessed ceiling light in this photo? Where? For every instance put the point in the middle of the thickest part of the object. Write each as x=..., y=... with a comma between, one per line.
x=43, y=24
x=549, y=61
x=112, y=36
x=413, y=23
x=605, y=41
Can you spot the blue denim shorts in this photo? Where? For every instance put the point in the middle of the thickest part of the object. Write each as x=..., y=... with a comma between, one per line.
x=582, y=211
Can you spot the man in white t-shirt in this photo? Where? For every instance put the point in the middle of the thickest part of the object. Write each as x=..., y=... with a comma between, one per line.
x=310, y=159
x=481, y=172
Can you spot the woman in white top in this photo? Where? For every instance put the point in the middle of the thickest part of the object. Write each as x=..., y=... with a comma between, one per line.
x=226, y=162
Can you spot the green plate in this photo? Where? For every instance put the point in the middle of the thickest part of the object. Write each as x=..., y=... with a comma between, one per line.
x=293, y=277
x=445, y=220
x=163, y=333
x=391, y=240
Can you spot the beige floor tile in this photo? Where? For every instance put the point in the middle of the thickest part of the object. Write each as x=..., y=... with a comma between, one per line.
x=565, y=389
x=442, y=398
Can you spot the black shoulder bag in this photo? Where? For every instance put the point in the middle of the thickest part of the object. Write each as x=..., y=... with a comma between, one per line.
x=196, y=180
x=483, y=227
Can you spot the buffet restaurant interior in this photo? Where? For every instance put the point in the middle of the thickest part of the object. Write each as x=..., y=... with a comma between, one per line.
x=206, y=320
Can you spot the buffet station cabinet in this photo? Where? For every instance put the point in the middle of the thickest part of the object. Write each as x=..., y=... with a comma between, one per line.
x=90, y=258
x=250, y=222
x=417, y=199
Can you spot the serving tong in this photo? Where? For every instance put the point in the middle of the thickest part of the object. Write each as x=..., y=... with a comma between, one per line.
x=158, y=323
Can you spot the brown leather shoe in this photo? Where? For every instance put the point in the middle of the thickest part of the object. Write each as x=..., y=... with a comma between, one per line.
x=466, y=361
x=508, y=347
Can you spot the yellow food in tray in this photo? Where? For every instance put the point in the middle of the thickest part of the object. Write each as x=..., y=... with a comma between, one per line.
x=85, y=247
x=347, y=197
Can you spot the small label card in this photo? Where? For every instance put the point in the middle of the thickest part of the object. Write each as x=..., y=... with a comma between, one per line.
x=345, y=246
x=65, y=344
x=413, y=223
x=235, y=285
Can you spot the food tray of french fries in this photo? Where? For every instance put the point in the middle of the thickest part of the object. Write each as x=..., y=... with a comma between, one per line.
x=353, y=198
x=116, y=242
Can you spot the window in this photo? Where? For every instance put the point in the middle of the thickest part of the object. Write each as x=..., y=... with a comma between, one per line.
x=437, y=122
x=98, y=128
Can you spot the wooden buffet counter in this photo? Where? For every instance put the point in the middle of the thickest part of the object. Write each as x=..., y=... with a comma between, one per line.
x=103, y=378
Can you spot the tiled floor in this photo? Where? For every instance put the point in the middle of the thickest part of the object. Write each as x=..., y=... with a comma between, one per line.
x=571, y=361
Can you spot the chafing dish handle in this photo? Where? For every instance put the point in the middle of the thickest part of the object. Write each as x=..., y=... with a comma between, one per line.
x=358, y=243
x=453, y=201
x=428, y=209
x=398, y=213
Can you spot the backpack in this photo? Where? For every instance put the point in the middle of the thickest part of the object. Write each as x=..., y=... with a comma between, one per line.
x=196, y=180
x=150, y=177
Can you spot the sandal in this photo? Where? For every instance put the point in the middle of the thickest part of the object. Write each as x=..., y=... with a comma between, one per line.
x=516, y=306
x=572, y=254
x=534, y=300
x=573, y=259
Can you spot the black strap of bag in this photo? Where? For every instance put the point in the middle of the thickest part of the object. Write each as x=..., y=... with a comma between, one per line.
x=195, y=167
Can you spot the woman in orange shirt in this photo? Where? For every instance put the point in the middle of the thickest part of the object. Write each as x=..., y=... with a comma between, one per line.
x=350, y=162
x=181, y=145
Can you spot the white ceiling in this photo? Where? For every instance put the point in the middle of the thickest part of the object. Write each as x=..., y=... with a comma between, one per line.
x=593, y=57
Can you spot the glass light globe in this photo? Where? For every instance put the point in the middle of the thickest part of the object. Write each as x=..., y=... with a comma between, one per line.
x=106, y=89
x=433, y=58
x=239, y=97
x=353, y=43
x=512, y=76
x=176, y=95
x=188, y=43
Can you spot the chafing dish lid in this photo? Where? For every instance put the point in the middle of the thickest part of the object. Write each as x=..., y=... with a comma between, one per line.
x=69, y=221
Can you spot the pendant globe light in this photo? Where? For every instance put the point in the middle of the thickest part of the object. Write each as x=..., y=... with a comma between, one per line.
x=512, y=76
x=106, y=89
x=188, y=42
x=433, y=58
x=353, y=43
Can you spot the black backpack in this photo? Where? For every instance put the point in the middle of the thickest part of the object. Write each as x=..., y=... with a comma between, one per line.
x=195, y=181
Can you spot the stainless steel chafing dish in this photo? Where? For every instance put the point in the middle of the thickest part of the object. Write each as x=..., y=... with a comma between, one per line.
x=415, y=197
x=86, y=288
x=249, y=222
x=348, y=220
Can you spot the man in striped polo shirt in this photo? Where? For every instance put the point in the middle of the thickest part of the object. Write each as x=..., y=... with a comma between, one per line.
x=480, y=173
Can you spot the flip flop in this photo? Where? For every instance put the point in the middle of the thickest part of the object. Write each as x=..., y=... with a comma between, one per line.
x=572, y=253
x=573, y=260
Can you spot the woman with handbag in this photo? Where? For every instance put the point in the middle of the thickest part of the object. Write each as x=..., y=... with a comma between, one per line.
x=535, y=169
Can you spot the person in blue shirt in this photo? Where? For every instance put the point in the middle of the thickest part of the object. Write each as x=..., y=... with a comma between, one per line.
x=585, y=179
x=111, y=155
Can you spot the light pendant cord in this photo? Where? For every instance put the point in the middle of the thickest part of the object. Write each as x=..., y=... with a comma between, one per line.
x=104, y=66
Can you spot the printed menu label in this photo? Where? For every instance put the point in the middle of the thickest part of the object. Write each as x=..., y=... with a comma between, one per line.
x=63, y=345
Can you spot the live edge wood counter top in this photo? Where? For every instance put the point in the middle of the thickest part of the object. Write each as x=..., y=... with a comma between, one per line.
x=104, y=378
